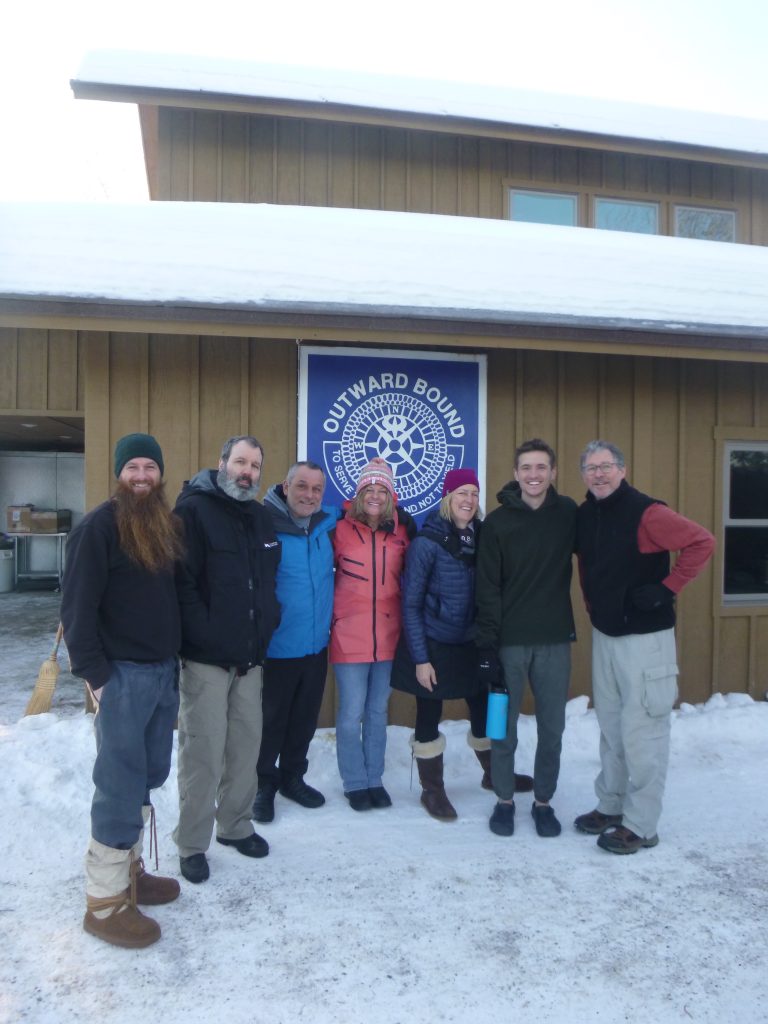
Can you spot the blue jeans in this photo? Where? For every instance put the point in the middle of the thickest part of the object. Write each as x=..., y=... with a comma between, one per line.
x=134, y=741
x=361, y=722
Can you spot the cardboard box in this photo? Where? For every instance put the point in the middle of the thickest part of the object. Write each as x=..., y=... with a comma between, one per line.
x=28, y=519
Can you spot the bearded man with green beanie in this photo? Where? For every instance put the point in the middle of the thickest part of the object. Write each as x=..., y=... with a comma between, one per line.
x=122, y=630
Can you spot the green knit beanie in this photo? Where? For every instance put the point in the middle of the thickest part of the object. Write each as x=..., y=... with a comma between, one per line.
x=137, y=446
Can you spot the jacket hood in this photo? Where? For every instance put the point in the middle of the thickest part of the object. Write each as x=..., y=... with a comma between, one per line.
x=510, y=496
x=277, y=506
x=204, y=482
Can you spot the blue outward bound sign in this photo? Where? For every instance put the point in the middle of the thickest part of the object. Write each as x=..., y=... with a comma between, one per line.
x=423, y=413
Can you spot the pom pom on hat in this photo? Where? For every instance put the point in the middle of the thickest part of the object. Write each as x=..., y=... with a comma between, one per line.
x=456, y=478
x=137, y=446
x=377, y=472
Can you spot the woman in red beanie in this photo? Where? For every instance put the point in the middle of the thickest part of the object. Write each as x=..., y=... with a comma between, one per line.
x=369, y=553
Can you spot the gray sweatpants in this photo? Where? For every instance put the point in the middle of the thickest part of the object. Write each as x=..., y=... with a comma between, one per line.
x=219, y=738
x=634, y=685
x=547, y=668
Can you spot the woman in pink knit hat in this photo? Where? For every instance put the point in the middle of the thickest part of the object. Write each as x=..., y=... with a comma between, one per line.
x=369, y=552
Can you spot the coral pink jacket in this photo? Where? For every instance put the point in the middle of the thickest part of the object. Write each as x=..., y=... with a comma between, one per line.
x=366, y=605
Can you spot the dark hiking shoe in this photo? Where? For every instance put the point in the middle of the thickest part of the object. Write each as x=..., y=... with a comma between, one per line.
x=596, y=822
x=502, y=821
x=359, y=799
x=195, y=868
x=153, y=890
x=296, y=789
x=624, y=840
x=252, y=846
x=523, y=783
x=264, y=805
x=546, y=823
x=379, y=797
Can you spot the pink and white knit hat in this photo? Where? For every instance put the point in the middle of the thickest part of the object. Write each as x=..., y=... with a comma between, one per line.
x=377, y=472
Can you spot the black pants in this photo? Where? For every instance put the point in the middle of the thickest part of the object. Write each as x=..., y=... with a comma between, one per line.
x=429, y=712
x=291, y=699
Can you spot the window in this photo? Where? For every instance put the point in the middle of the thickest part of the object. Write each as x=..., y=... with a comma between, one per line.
x=700, y=222
x=745, y=520
x=627, y=215
x=543, y=207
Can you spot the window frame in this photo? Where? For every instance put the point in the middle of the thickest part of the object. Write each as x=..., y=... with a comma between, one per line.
x=728, y=440
x=585, y=197
x=563, y=193
x=677, y=206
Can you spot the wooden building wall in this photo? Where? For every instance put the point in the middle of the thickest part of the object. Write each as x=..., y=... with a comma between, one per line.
x=668, y=415
x=41, y=372
x=210, y=156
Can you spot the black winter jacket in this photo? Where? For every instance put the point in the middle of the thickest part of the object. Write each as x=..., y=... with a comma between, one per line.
x=523, y=588
x=226, y=585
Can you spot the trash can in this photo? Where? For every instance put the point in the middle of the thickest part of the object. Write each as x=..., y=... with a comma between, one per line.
x=6, y=570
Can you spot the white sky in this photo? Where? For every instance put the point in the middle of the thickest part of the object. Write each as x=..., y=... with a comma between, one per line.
x=694, y=54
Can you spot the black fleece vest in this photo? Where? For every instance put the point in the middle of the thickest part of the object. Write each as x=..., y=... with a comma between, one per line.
x=612, y=565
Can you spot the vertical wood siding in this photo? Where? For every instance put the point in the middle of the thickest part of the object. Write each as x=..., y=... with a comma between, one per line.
x=41, y=371
x=194, y=392
x=229, y=157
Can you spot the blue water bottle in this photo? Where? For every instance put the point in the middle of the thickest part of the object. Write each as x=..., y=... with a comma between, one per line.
x=496, y=722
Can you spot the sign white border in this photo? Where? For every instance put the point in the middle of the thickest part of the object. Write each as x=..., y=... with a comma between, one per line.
x=480, y=360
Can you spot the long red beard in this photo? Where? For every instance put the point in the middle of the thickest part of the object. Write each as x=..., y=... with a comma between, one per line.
x=150, y=534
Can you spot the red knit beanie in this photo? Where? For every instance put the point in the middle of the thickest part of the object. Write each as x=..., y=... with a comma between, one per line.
x=456, y=478
x=377, y=472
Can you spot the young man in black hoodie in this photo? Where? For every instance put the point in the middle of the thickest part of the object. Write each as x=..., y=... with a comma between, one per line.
x=525, y=623
x=229, y=610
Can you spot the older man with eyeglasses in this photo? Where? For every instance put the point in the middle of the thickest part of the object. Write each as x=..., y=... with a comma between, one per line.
x=624, y=540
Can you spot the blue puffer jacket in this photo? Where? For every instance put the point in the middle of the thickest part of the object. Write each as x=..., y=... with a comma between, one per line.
x=438, y=588
x=304, y=579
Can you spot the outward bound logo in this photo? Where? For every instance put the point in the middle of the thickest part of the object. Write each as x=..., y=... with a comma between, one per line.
x=405, y=421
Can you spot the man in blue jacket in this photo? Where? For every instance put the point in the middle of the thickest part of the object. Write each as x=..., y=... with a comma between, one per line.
x=297, y=659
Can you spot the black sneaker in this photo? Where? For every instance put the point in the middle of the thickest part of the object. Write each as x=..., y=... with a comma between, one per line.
x=502, y=821
x=264, y=805
x=379, y=797
x=252, y=846
x=295, y=788
x=195, y=868
x=359, y=800
x=546, y=823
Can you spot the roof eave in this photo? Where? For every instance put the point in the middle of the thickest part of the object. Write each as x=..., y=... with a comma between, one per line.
x=447, y=124
x=339, y=322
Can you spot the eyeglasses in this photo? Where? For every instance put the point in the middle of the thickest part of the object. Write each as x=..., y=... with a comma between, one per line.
x=603, y=467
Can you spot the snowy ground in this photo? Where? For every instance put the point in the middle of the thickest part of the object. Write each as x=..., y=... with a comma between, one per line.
x=388, y=916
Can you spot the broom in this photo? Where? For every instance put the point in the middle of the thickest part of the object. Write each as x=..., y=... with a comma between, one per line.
x=40, y=701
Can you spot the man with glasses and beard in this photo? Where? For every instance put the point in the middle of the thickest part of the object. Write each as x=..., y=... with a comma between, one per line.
x=122, y=630
x=624, y=539
x=229, y=610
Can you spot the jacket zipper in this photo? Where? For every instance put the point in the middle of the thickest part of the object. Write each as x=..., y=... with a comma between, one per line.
x=373, y=581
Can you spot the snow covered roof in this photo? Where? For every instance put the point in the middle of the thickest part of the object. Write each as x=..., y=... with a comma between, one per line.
x=136, y=76
x=209, y=258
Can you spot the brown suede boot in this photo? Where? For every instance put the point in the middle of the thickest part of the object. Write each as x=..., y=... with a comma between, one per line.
x=124, y=926
x=151, y=890
x=111, y=913
x=429, y=761
x=482, y=748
